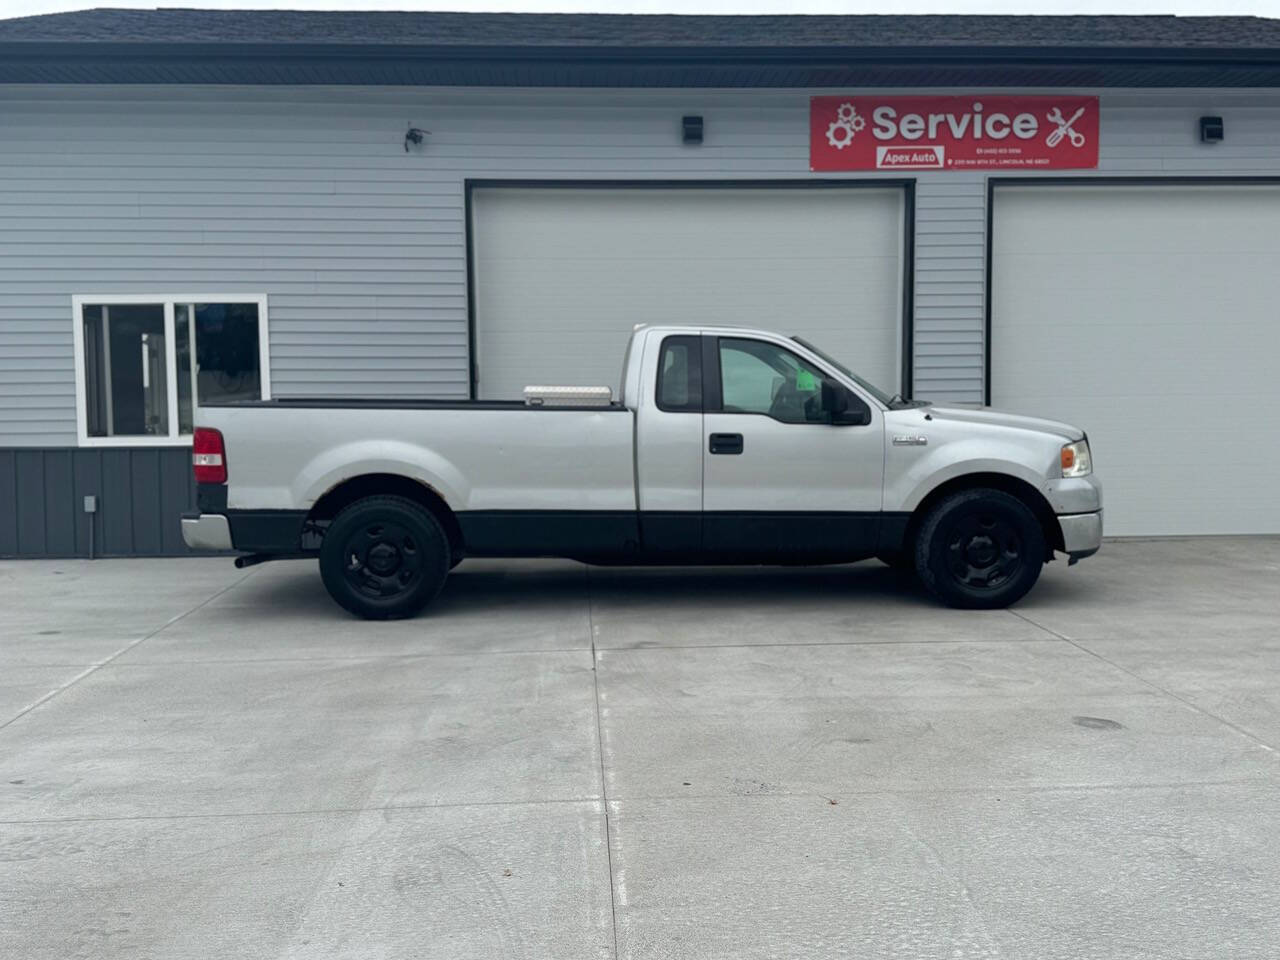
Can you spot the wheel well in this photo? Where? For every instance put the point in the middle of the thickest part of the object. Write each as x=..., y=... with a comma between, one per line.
x=387, y=484
x=1024, y=491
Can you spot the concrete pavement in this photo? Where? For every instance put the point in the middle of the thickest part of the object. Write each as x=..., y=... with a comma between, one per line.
x=560, y=762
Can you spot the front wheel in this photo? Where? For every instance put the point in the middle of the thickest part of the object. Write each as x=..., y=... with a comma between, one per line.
x=980, y=549
x=384, y=558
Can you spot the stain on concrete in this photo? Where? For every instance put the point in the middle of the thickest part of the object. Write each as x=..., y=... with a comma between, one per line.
x=1097, y=723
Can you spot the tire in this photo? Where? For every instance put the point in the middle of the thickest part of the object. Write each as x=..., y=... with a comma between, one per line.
x=980, y=550
x=384, y=558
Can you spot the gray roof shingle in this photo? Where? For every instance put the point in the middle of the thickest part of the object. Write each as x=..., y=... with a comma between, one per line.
x=514, y=30
x=636, y=50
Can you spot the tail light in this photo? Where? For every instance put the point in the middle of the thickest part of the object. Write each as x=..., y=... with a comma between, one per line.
x=208, y=457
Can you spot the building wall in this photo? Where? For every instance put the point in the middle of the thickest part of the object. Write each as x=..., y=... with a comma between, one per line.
x=141, y=492
x=307, y=195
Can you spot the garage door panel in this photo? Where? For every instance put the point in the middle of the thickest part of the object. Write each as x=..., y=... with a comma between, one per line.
x=562, y=275
x=1146, y=221
x=1097, y=289
x=762, y=223
x=1151, y=318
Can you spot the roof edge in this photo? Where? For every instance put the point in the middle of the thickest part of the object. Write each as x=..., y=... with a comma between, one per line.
x=138, y=50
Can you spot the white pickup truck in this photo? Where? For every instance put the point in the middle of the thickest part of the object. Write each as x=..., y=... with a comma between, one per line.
x=725, y=445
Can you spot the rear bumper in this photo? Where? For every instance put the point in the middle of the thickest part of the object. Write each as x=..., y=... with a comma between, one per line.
x=206, y=531
x=1081, y=534
x=277, y=532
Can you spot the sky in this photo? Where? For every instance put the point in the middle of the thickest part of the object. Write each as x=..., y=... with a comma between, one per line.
x=19, y=8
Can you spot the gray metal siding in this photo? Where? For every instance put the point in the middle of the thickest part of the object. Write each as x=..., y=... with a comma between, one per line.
x=307, y=195
x=949, y=281
x=141, y=495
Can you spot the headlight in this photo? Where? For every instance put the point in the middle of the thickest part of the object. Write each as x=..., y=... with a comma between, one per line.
x=1076, y=461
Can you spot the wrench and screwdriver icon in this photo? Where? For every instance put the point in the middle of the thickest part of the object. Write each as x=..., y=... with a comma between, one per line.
x=1064, y=128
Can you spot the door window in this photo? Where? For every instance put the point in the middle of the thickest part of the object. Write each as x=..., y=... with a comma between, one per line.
x=760, y=377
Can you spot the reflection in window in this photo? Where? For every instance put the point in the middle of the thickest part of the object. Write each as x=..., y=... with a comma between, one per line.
x=126, y=392
x=225, y=366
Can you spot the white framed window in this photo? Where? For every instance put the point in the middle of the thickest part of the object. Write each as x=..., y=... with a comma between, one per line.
x=145, y=363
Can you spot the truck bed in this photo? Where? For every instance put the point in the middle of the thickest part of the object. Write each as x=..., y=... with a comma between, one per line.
x=477, y=455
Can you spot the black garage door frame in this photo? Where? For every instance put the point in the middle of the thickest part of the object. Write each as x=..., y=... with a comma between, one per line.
x=993, y=183
x=906, y=185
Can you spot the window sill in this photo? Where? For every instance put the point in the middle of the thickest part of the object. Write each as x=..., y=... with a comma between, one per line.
x=134, y=442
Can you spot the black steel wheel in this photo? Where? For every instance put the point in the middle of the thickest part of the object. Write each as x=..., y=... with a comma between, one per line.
x=980, y=549
x=384, y=558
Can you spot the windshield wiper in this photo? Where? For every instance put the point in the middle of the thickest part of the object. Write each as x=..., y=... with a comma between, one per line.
x=898, y=401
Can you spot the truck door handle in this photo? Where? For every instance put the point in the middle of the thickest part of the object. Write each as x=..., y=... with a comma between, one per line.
x=726, y=443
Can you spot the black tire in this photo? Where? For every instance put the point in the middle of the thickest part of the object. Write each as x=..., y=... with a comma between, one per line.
x=980, y=550
x=384, y=558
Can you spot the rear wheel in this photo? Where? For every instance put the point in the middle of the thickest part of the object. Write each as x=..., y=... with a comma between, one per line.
x=980, y=549
x=384, y=558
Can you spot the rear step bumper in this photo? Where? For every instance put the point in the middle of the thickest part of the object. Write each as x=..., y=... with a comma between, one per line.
x=206, y=531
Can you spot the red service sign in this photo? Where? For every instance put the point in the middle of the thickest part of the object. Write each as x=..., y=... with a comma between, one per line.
x=979, y=132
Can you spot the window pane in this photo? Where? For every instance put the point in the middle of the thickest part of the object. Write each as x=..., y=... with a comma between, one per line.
x=227, y=367
x=759, y=377
x=186, y=366
x=125, y=386
x=680, y=374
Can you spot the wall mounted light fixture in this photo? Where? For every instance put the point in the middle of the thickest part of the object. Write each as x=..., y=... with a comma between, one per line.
x=1211, y=130
x=692, y=129
x=415, y=136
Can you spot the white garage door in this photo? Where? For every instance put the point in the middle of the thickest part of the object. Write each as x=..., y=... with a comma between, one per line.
x=562, y=275
x=1149, y=316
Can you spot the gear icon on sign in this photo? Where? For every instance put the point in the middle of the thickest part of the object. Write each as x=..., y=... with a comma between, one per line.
x=847, y=124
x=840, y=135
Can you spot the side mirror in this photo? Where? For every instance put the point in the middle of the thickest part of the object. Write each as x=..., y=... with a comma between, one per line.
x=844, y=408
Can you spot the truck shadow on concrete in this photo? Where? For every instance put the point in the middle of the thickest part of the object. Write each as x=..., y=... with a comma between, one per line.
x=292, y=589
x=692, y=587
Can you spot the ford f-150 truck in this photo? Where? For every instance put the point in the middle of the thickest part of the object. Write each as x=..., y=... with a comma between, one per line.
x=725, y=445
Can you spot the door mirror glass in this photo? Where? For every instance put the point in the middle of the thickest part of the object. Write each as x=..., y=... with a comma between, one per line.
x=835, y=398
x=842, y=406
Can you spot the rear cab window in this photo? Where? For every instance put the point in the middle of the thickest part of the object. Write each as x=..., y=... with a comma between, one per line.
x=679, y=388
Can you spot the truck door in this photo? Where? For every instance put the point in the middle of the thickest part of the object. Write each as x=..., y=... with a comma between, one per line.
x=779, y=479
x=669, y=446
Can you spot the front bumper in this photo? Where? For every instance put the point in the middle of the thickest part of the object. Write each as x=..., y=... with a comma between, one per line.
x=1081, y=534
x=206, y=531
x=1071, y=495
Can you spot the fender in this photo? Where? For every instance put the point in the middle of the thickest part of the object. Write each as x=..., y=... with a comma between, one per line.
x=907, y=487
x=338, y=464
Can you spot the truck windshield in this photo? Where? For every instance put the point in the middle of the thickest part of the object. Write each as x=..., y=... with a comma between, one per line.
x=869, y=387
